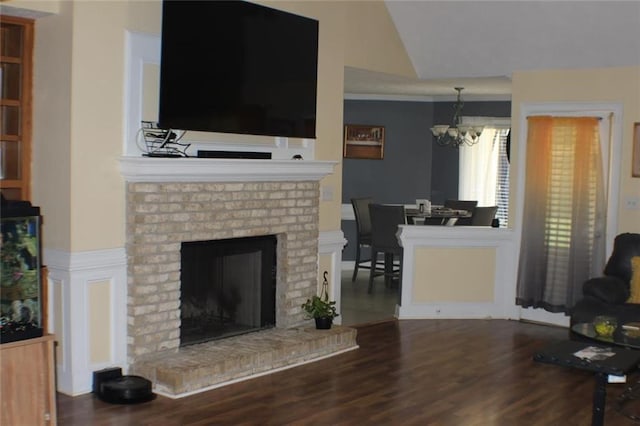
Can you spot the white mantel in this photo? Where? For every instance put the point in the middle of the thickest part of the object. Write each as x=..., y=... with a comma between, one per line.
x=145, y=169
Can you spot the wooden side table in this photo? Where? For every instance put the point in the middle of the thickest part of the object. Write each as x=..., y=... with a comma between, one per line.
x=622, y=362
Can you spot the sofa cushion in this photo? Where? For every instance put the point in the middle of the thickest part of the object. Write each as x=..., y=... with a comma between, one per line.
x=634, y=284
x=608, y=289
x=625, y=246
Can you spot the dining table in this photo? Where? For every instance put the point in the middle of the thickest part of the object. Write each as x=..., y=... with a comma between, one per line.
x=436, y=215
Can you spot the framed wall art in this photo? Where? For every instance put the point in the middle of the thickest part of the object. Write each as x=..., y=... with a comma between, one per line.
x=635, y=165
x=362, y=141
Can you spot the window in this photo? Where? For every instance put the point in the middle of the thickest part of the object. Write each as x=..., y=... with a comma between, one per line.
x=484, y=167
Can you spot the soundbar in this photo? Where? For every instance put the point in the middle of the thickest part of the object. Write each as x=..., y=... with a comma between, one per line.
x=252, y=155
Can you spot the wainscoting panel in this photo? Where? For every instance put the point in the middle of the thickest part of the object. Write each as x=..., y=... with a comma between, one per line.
x=482, y=287
x=75, y=282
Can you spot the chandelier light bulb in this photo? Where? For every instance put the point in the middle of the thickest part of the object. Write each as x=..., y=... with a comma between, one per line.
x=439, y=130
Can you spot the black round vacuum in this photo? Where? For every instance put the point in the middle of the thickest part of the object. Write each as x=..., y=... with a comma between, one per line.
x=111, y=386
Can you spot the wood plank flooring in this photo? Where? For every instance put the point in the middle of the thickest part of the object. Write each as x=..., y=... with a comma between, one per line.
x=411, y=372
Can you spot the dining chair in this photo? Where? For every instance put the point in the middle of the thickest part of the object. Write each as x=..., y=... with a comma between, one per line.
x=434, y=221
x=483, y=216
x=384, y=227
x=363, y=233
x=468, y=205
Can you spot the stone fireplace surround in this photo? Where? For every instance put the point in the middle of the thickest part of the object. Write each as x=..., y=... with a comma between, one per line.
x=174, y=200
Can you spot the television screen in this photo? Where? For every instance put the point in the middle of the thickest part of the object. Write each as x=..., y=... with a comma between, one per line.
x=237, y=67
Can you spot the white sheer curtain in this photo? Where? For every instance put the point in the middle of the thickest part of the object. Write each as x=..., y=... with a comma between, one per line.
x=479, y=169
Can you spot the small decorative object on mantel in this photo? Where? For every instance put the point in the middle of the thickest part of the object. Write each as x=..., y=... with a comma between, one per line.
x=156, y=142
x=320, y=308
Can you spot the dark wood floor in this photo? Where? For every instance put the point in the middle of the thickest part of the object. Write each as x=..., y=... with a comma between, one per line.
x=419, y=372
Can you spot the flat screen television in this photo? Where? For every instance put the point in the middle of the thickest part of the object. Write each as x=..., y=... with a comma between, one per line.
x=237, y=67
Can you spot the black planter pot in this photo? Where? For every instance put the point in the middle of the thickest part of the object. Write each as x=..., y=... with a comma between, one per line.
x=323, y=323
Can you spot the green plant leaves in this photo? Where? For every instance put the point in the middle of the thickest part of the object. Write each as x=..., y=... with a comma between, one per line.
x=316, y=307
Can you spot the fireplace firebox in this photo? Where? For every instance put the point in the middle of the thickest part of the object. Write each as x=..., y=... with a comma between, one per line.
x=228, y=287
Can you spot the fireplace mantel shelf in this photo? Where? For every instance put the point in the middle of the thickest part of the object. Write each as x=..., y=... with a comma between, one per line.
x=144, y=169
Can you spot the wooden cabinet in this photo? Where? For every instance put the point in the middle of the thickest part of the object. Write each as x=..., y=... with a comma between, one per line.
x=28, y=382
x=16, y=55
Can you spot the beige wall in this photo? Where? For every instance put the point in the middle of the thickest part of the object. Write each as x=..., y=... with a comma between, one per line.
x=368, y=25
x=77, y=182
x=99, y=315
x=608, y=85
x=439, y=276
x=34, y=7
x=97, y=214
x=78, y=125
x=51, y=170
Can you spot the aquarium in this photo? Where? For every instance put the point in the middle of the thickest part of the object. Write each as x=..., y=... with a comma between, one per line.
x=20, y=264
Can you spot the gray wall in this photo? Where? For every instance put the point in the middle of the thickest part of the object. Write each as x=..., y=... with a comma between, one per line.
x=405, y=172
x=413, y=165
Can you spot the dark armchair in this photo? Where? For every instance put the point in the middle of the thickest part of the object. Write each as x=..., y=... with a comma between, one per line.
x=609, y=294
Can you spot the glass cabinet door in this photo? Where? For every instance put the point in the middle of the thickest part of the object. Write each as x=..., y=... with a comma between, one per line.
x=16, y=40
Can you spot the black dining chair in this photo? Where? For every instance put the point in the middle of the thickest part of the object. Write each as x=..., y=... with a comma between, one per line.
x=468, y=205
x=434, y=221
x=363, y=232
x=483, y=216
x=384, y=227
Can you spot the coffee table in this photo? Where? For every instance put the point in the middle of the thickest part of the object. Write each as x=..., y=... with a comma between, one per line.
x=619, y=362
x=625, y=338
x=620, y=337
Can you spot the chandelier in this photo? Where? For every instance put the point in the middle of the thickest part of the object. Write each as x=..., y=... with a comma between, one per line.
x=457, y=134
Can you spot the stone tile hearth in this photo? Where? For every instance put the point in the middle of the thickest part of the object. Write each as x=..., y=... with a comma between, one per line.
x=209, y=365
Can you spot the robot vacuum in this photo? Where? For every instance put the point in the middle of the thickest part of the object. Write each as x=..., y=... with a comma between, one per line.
x=111, y=386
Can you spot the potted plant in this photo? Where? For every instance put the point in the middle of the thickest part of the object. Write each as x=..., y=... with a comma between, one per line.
x=320, y=308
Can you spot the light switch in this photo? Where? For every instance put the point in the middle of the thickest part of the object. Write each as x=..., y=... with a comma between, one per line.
x=632, y=203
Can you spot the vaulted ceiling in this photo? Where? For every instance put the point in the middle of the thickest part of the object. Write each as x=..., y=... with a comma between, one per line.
x=479, y=44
